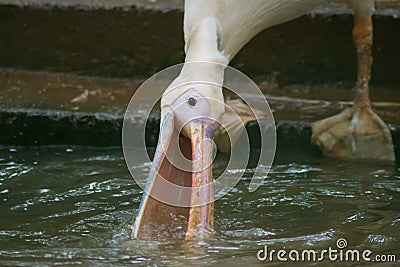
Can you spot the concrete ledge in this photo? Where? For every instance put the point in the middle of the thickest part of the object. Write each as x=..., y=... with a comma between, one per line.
x=28, y=127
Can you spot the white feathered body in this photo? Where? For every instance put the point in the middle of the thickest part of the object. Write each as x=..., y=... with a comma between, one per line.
x=241, y=20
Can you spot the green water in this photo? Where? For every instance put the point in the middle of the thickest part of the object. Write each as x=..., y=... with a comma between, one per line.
x=74, y=206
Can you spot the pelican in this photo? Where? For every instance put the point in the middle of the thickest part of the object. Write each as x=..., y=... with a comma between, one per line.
x=214, y=32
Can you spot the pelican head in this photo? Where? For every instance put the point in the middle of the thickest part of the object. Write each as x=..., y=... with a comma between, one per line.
x=192, y=104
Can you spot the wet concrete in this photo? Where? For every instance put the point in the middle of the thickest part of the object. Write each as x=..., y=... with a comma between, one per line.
x=62, y=92
x=58, y=91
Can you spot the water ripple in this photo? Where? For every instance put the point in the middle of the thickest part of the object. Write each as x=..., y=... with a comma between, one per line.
x=12, y=169
x=59, y=208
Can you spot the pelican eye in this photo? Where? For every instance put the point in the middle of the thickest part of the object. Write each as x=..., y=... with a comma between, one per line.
x=192, y=101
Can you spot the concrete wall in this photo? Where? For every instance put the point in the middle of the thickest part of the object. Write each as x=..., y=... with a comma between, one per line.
x=135, y=42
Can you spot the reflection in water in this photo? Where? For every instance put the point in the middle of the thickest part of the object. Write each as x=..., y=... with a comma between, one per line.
x=76, y=205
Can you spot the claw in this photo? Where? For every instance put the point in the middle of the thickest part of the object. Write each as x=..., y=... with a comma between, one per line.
x=382, y=126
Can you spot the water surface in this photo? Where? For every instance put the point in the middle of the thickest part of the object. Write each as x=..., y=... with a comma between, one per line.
x=75, y=205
